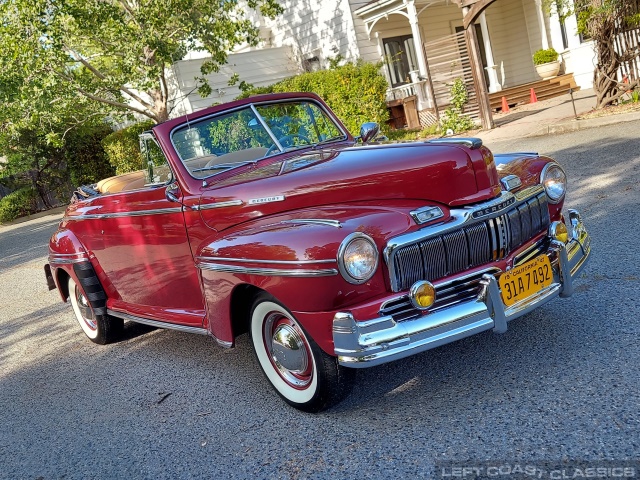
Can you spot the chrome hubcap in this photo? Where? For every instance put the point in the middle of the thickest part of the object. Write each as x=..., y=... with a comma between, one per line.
x=85, y=310
x=288, y=350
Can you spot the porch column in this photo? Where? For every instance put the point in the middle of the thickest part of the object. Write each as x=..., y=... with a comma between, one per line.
x=543, y=27
x=417, y=39
x=494, y=84
x=478, y=74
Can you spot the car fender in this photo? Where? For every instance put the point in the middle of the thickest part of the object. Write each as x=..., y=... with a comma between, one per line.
x=294, y=258
x=527, y=167
x=66, y=254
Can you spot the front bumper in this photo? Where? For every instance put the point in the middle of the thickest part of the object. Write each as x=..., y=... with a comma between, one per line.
x=365, y=343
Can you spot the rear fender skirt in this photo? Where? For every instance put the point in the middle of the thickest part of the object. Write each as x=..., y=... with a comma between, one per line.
x=90, y=283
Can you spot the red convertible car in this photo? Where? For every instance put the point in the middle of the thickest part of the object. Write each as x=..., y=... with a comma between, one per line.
x=266, y=216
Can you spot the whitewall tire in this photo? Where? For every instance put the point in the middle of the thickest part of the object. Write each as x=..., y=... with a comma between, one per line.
x=300, y=372
x=101, y=329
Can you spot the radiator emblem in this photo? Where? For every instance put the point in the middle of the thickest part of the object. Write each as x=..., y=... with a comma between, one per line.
x=494, y=208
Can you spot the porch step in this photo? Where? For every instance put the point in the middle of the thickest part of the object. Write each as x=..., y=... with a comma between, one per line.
x=545, y=89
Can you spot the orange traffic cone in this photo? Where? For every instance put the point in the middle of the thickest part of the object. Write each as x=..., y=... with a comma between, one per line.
x=505, y=105
x=625, y=79
x=533, y=98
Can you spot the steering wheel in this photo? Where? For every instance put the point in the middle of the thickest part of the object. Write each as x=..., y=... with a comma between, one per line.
x=286, y=141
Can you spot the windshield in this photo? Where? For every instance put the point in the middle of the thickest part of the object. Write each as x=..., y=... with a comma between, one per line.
x=229, y=140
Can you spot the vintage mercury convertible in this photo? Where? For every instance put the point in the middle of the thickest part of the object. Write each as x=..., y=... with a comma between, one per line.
x=266, y=216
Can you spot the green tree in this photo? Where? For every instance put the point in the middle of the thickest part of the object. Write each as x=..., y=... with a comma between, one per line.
x=57, y=54
x=603, y=21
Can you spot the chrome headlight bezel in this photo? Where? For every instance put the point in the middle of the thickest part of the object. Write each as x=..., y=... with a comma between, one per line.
x=344, y=266
x=553, y=196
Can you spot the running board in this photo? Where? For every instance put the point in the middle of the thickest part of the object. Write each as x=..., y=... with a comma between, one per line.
x=156, y=323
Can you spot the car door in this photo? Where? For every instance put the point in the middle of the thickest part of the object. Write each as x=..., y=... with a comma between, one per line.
x=145, y=248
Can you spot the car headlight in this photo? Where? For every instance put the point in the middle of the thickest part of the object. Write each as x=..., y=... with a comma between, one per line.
x=554, y=181
x=357, y=258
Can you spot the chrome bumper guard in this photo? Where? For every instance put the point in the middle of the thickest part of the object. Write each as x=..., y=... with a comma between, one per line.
x=366, y=343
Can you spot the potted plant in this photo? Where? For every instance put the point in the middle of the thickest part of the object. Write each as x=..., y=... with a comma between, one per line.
x=546, y=63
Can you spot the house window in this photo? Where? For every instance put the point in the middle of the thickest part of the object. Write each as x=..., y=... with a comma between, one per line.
x=400, y=56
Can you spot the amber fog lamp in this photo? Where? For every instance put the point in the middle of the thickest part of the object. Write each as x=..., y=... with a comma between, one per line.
x=558, y=231
x=422, y=294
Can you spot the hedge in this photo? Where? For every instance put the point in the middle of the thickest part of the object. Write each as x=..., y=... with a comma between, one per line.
x=355, y=92
x=18, y=204
x=86, y=159
x=123, y=147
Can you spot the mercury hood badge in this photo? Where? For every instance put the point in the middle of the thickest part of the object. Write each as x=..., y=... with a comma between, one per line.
x=275, y=198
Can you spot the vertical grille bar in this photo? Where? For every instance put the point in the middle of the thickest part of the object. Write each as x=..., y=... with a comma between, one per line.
x=479, y=248
x=409, y=265
x=516, y=227
x=457, y=251
x=534, y=208
x=525, y=220
x=435, y=259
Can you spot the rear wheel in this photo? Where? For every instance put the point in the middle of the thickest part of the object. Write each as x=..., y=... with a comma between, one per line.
x=101, y=329
x=300, y=372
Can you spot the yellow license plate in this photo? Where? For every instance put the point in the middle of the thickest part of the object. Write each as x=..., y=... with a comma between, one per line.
x=525, y=280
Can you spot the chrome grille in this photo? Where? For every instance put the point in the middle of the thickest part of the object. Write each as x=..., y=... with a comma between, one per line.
x=447, y=294
x=470, y=246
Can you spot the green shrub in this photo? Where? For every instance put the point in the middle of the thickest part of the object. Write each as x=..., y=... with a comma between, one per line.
x=18, y=204
x=86, y=159
x=545, y=56
x=355, y=92
x=453, y=118
x=123, y=147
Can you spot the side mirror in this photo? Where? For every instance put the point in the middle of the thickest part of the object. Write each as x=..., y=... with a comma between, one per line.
x=369, y=131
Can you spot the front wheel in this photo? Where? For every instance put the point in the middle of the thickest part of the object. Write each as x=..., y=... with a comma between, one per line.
x=300, y=372
x=101, y=329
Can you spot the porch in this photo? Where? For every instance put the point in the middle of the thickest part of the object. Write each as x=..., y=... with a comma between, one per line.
x=425, y=47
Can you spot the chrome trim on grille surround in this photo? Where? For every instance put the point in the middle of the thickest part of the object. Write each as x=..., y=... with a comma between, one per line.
x=452, y=231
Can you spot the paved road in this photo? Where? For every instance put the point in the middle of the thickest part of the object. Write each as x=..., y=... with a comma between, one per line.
x=561, y=384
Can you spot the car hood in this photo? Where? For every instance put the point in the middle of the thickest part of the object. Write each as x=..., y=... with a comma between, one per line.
x=432, y=173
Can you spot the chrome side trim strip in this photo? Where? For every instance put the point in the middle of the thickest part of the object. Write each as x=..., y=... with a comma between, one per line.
x=139, y=213
x=252, y=260
x=315, y=221
x=68, y=258
x=156, y=323
x=269, y=272
x=209, y=206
